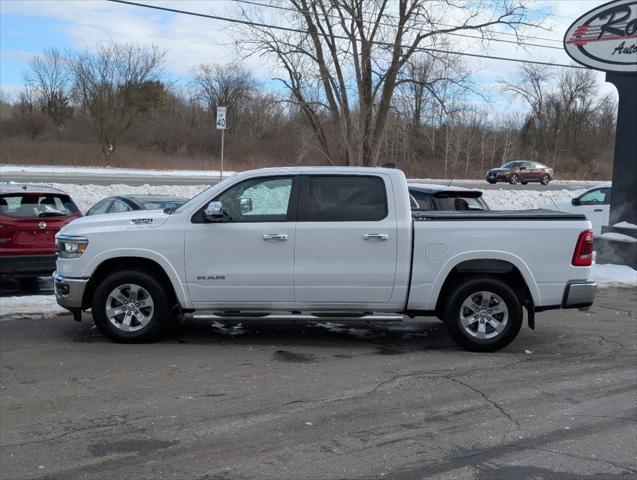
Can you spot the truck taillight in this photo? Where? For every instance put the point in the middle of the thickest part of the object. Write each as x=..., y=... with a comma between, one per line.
x=583, y=254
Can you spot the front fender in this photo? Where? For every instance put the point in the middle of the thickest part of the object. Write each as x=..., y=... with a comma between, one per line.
x=167, y=266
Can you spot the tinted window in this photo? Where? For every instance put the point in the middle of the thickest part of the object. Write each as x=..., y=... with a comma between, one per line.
x=258, y=200
x=513, y=164
x=458, y=203
x=119, y=207
x=162, y=205
x=423, y=200
x=340, y=198
x=36, y=206
x=100, y=207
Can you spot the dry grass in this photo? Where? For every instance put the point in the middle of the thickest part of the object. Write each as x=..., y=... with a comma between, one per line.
x=21, y=151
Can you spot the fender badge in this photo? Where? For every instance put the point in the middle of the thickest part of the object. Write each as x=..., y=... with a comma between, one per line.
x=42, y=225
x=142, y=221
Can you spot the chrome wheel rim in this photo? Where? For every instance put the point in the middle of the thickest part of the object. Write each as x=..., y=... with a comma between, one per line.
x=514, y=179
x=545, y=179
x=129, y=307
x=484, y=315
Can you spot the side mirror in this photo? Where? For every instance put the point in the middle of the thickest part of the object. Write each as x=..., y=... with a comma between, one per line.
x=522, y=168
x=245, y=205
x=213, y=212
x=575, y=201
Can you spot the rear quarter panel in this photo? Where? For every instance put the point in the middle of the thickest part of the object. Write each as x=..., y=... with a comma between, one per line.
x=541, y=250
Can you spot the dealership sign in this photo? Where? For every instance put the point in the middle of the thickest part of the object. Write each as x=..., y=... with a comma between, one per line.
x=606, y=37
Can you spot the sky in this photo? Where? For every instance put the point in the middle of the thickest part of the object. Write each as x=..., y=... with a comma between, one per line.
x=29, y=26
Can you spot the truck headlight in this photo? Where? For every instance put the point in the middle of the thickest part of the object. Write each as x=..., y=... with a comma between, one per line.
x=70, y=247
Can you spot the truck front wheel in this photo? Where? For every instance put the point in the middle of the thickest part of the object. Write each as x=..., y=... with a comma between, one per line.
x=130, y=307
x=483, y=314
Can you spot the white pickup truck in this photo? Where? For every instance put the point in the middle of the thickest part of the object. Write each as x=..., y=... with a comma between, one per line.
x=323, y=240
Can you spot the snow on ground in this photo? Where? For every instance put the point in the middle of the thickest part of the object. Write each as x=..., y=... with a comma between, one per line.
x=609, y=275
x=29, y=306
x=502, y=199
x=105, y=171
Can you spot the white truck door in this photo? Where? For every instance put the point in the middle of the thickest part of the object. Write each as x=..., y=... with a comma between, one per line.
x=346, y=240
x=593, y=204
x=247, y=258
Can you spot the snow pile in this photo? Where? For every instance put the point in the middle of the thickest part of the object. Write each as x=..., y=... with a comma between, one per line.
x=43, y=306
x=618, y=237
x=632, y=226
x=608, y=275
x=523, y=199
x=109, y=172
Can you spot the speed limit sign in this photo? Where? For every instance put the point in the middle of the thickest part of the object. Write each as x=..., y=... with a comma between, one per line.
x=221, y=118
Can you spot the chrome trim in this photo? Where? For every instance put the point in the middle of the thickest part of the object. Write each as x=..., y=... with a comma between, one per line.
x=74, y=294
x=579, y=294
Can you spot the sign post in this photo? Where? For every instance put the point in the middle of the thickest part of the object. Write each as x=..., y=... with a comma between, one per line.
x=221, y=125
x=605, y=39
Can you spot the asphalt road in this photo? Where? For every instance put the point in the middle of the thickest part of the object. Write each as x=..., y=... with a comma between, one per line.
x=134, y=180
x=300, y=400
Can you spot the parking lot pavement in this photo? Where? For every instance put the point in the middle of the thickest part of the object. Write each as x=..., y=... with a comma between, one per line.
x=248, y=399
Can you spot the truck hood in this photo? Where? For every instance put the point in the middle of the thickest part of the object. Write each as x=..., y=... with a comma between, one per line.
x=140, y=219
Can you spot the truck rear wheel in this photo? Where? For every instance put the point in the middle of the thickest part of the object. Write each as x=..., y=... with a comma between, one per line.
x=483, y=314
x=130, y=307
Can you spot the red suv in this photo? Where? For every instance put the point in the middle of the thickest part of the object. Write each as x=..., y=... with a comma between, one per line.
x=30, y=216
x=521, y=171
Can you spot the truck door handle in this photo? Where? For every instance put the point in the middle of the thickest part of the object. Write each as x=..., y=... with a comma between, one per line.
x=376, y=236
x=275, y=237
x=598, y=210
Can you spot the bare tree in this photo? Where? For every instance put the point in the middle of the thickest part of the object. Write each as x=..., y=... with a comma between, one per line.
x=344, y=58
x=225, y=85
x=48, y=77
x=111, y=83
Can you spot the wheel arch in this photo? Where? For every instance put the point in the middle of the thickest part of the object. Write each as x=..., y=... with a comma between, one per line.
x=494, y=264
x=166, y=276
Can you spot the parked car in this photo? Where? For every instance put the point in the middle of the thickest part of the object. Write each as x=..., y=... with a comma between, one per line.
x=129, y=203
x=429, y=196
x=323, y=240
x=30, y=216
x=521, y=171
x=594, y=203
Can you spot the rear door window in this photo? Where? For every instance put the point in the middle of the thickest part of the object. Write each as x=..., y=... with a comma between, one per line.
x=36, y=205
x=343, y=198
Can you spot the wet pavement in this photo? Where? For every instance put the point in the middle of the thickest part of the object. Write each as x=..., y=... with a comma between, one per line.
x=322, y=399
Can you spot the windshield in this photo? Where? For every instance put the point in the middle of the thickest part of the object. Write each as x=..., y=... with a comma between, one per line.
x=513, y=164
x=197, y=198
x=29, y=205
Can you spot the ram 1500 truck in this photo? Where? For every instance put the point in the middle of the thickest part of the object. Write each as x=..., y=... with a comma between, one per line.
x=321, y=240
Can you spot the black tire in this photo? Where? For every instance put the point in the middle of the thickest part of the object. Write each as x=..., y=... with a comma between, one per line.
x=524, y=183
x=492, y=181
x=453, y=310
x=160, y=313
x=545, y=179
x=514, y=179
